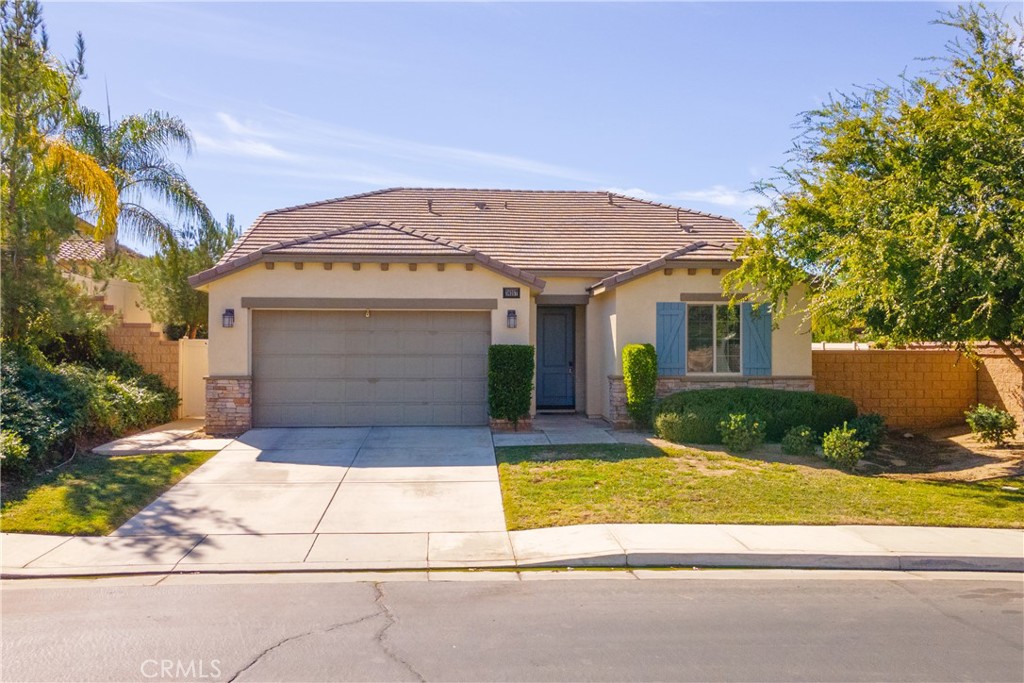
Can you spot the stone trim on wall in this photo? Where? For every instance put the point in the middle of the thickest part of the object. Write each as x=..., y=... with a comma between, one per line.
x=228, y=405
x=619, y=416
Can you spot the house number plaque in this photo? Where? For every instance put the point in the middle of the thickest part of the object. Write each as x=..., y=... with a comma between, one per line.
x=510, y=292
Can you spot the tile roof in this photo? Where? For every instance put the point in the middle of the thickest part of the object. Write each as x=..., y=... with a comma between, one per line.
x=528, y=230
x=80, y=248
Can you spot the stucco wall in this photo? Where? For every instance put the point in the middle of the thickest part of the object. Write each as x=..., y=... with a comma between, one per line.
x=230, y=347
x=636, y=318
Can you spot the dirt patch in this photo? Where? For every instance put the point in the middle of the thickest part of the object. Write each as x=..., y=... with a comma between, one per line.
x=951, y=454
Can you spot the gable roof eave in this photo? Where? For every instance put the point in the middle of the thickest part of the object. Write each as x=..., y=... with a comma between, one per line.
x=204, y=278
x=622, y=278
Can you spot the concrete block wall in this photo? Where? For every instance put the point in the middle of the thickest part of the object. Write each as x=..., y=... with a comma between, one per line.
x=999, y=382
x=154, y=353
x=918, y=388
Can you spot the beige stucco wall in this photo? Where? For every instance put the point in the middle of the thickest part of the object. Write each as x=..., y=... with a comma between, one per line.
x=628, y=315
x=230, y=347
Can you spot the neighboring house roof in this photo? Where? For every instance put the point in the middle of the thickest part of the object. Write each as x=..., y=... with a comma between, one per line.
x=81, y=248
x=376, y=239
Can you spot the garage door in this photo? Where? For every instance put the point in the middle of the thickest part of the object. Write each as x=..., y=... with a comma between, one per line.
x=341, y=368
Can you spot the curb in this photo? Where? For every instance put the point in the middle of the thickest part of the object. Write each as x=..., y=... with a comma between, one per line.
x=646, y=560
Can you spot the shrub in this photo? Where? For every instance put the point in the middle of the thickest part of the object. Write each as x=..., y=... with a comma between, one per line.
x=640, y=375
x=842, y=448
x=870, y=427
x=48, y=407
x=14, y=454
x=702, y=411
x=800, y=440
x=991, y=424
x=741, y=433
x=509, y=381
x=669, y=426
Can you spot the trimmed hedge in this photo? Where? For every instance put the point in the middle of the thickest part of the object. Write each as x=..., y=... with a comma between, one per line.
x=509, y=381
x=640, y=375
x=702, y=410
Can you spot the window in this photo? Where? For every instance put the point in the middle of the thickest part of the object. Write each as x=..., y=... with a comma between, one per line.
x=712, y=338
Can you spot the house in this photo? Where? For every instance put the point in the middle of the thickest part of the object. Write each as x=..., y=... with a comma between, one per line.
x=378, y=308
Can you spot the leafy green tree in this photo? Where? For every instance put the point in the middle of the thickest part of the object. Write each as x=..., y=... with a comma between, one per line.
x=902, y=208
x=43, y=175
x=135, y=152
x=163, y=277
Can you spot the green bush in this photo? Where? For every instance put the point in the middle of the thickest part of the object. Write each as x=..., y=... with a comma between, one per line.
x=640, y=375
x=870, y=427
x=671, y=427
x=991, y=424
x=14, y=454
x=509, y=381
x=800, y=440
x=741, y=433
x=49, y=407
x=842, y=448
x=702, y=411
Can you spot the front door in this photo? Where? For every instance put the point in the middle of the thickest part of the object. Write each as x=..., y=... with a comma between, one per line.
x=556, y=357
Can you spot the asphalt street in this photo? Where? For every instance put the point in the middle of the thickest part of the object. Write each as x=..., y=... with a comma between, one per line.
x=738, y=626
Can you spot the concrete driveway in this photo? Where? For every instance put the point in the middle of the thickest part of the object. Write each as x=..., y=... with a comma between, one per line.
x=336, y=481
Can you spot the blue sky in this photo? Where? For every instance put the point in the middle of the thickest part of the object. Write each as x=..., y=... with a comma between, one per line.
x=684, y=103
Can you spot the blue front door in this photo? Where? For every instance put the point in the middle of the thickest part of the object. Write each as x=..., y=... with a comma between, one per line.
x=556, y=357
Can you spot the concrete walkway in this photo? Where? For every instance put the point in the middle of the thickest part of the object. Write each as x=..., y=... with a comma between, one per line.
x=358, y=480
x=601, y=545
x=172, y=437
x=551, y=430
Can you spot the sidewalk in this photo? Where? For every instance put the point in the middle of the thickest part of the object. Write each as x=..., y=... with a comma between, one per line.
x=171, y=437
x=599, y=545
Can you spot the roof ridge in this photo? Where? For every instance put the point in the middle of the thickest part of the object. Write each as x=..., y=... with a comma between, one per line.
x=679, y=208
x=333, y=199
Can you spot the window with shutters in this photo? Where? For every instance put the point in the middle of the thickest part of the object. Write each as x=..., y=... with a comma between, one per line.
x=713, y=338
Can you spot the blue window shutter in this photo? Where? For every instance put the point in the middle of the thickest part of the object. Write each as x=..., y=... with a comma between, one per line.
x=671, y=338
x=756, y=338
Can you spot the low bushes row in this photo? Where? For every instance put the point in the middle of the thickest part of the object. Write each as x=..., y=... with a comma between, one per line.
x=696, y=416
x=46, y=407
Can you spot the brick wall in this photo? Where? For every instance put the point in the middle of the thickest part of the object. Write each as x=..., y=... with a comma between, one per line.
x=999, y=382
x=228, y=405
x=154, y=353
x=916, y=388
x=619, y=416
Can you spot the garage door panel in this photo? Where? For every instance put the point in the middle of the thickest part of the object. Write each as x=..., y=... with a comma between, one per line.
x=338, y=368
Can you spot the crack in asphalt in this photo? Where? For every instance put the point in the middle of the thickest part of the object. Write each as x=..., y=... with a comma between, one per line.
x=284, y=641
x=378, y=588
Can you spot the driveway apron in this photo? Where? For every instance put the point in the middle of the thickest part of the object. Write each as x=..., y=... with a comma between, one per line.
x=337, y=481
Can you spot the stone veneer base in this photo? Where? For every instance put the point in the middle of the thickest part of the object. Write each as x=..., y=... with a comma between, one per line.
x=619, y=416
x=228, y=405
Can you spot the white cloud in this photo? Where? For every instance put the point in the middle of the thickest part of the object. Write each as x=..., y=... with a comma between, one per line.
x=241, y=146
x=720, y=195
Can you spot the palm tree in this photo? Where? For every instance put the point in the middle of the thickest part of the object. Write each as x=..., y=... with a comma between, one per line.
x=134, y=150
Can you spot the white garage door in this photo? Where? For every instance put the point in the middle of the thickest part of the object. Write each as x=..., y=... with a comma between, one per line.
x=341, y=368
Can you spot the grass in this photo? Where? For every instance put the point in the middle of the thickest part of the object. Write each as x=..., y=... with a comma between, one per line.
x=546, y=486
x=94, y=495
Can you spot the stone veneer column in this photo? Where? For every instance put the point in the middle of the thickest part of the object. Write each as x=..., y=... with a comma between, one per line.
x=228, y=405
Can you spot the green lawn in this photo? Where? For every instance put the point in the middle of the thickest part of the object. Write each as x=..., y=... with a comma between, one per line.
x=95, y=494
x=546, y=486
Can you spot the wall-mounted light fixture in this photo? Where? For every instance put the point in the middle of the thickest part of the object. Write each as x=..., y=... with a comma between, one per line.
x=228, y=319
x=511, y=319
x=367, y=312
